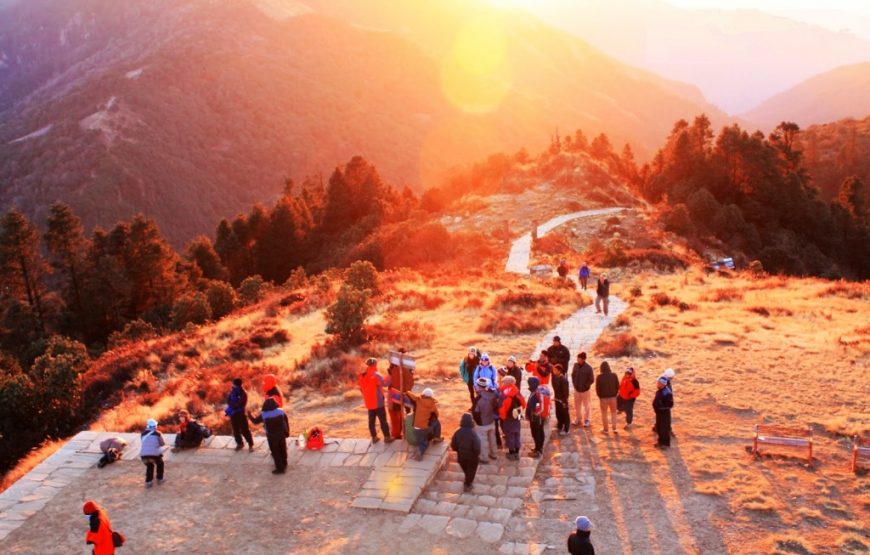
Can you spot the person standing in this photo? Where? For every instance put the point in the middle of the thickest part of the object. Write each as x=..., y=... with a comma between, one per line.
x=662, y=405
x=629, y=391
x=151, y=453
x=579, y=542
x=509, y=369
x=582, y=378
x=558, y=353
x=485, y=414
x=510, y=413
x=371, y=384
x=537, y=412
x=607, y=388
x=541, y=369
x=562, y=269
x=560, y=396
x=467, y=446
x=237, y=402
x=427, y=426
x=583, y=275
x=602, y=294
x=484, y=370
x=467, y=367
x=277, y=427
x=99, y=530
x=270, y=390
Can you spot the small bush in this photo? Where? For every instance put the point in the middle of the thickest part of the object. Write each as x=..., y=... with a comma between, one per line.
x=636, y=291
x=137, y=330
x=190, y=309
x=756, y=269
x=847, y=290
x=251, y=289
x=678, y=220
x=346, y=317
x=620, y=345
x=266, y=337
x=362, y=275
x=726, y=294
x=221, y=297
x=661, y=299
x=622, y=321
x=297, y=279
x=244, y=349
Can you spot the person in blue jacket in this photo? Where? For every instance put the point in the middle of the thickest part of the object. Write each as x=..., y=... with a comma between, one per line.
x=583, y=275
x=237, y=401
x=277, y=431
x=484, y=370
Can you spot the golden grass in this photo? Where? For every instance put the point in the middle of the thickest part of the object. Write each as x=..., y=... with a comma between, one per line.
x=29, y=462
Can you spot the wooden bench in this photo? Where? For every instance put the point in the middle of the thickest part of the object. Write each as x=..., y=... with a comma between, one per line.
x=860, y=448
x=783, y=436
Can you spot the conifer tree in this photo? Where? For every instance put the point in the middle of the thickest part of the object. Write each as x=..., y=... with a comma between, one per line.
x=67, y=245
x=21, y=266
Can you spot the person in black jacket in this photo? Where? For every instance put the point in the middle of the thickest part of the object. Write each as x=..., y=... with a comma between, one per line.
x=607, y=388
x=560, y=395
x=466, y=443
x=277, y=431
x=558, y=353
x=602, y=294
x=237, y=401
x=189, y=432
x=582, y=377
x=578, y=542
x=662, y=405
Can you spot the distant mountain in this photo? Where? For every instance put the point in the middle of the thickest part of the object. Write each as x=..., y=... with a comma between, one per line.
x=738, y=58
x=190, y=111
x=841, y=93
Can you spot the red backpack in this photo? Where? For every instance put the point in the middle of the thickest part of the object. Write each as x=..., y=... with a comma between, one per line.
x=314, y=441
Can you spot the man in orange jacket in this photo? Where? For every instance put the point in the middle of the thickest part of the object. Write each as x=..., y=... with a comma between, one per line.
x=371, y=384
x=100, y=532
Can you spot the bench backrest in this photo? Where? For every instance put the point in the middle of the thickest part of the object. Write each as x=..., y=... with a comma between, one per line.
x=784, y=431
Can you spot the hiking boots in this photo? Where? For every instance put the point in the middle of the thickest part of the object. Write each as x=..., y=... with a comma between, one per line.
x=375, y=439
x=389, y=439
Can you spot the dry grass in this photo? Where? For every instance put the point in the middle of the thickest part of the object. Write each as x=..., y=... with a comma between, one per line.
x=29, y=462
x=848, y=290
x=618, y=346
x=525, y=311
x=723, y=294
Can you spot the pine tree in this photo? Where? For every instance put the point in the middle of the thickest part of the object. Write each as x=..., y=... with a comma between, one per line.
x=67, y=245
x=201, y=252
x=21, y=266
x=851, y=197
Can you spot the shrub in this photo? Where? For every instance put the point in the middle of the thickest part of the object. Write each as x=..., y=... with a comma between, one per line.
x=362, y=275
x=756, y=269
x=725, y=294
x=620, y=345
x=346, y=317
x=661, y=299
x=190, y=309
x=297, y=279
x=636, y=291
x=268, y=337
x=221, y=297
x=137, y=330
x=244, y=349
x=56, y=375
x=251, y=289
x=678, y=220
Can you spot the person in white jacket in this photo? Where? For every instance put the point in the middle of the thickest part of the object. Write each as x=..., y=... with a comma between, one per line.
x=151, y=452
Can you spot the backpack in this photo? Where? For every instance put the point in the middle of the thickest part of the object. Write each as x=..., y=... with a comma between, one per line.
x=516, y=410
x=204, y=430
x=118, y=539
x=314, y=442
x=475, y=411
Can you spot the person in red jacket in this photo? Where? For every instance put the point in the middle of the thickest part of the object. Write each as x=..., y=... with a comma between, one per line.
x=271, y=391
x=100, y=532
x=371, y=384
x=629, y=390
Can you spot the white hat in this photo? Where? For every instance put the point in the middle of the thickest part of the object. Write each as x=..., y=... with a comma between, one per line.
x=669, y=373
x=428, y=393
x=583, y=524
x=151, y=424
x=512, y=358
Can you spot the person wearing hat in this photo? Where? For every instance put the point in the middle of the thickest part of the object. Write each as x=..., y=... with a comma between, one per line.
x=560, y=397
x=485, y=414
x=602, y=294
x=467, y=368
x=277, y=427
x=237, y=402
x=270, y=389
x=629, y=391
x=484, y=369
x=511, y=368
x=541, y=369
x=510, y=414
x=558, y=353
x=582, y=378
x=151, y=452
x=537, y=413
x=371, y=384
x=662, y=404
x=583, y=275
x=579, y=542
x=467, y=446
x=426, y=424
x=99, y=530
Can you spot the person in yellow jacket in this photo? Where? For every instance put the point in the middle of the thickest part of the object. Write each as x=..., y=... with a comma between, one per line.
x=426, y=424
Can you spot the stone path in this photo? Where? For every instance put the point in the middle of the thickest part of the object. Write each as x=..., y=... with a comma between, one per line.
x=394, y=484
x=520, y=253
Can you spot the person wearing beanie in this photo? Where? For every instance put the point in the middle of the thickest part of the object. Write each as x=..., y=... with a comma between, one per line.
x=467, y=368
x=512, y=405
x=237, y=402
x=371, y=384
x=485, y=413
x=668, y=374
x=100, y=530
x=607, y=388
x=560, y=397
x=542, y=369
x=662, y=404
x=151, y=452
x=485, y=369
x=277, y=426
x=629, y=391
x=427, y=427
x=558, y=354
x=466, y=443
x=579, y=542
x=582, y=378
x=271, y=391
x=537, y=412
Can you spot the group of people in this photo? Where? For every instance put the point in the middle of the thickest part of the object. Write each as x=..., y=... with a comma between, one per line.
x=602, y=287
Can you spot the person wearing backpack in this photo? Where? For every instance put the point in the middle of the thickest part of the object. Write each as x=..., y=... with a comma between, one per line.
x=629, y=391
x=607, y=388
x=510, y=413
x=99, y=529
x=484, y=370
x=151, y=453
x=271, y=391
x=662, y=405
x=467, y=368
x=537, y=413
x=560, y=397
x=466, y=443
x=485, y=413
x=237, y=402
x=582, y=378
x=190, y=432
x=277, y=427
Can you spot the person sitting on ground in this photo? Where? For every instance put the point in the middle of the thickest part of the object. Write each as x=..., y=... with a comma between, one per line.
x=466, y=443
x=607, y=388
x=558, y=353
x=190, y=434
x=484, y=370
x=485, y=413
x=629, y=391
x=510, y=413
x=602, y=294
x=467, y=367
x=426, y=424
x=537, y=413
x=237, y=402
x=99, y=530
x=662, y=405
x=583, y=275
x=151, y=453
x=371, y=384
x=277, y=427
x=560, y=396
x=582, y=377
x=579, y=542
x=271, y=391
x=111, y=448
